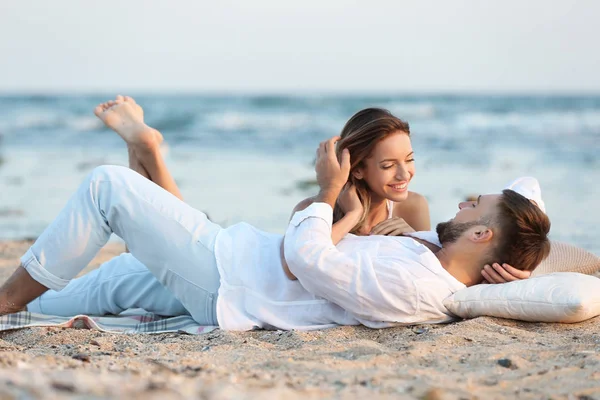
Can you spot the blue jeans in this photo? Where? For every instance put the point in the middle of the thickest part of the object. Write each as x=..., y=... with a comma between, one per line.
x=172, y=269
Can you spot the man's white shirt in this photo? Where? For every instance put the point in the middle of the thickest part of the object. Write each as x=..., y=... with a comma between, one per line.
x=377, y=281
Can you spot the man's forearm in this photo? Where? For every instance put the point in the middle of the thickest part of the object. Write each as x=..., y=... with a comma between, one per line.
x=328, y=196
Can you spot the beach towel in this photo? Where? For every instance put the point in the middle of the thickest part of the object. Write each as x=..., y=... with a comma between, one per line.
x=142, y=322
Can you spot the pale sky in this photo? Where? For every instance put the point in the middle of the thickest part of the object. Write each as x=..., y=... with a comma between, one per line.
x=303, y=46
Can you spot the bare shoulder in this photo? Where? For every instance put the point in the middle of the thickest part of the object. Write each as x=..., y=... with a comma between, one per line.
x=415, y=211
x=414, y=202
x=304, y=203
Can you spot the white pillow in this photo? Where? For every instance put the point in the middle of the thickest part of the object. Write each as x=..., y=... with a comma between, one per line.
x=559, y=297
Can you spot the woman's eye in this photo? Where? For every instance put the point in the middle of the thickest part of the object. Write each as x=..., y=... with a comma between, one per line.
x=411, y=160
x=387, y=166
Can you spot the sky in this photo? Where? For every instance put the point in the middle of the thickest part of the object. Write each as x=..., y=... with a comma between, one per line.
x=316, y=46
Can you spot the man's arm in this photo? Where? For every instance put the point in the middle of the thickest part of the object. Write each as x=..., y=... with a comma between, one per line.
x=340, y=228
x=313, y=258
x=338, y=231
x=350, y=281
x=358, y=282
x=332, y=175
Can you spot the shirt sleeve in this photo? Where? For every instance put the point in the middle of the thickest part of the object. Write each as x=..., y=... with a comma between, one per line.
x=351, y=281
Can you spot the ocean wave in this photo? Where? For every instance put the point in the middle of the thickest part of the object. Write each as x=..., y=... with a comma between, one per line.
x=547, y=123
x=29, y=120
x=407, y=110
x=175, y=121
x=241, y=121
x=43, y=120
x=84, y=124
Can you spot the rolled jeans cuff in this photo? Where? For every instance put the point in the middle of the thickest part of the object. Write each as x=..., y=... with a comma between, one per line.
x=40, y=274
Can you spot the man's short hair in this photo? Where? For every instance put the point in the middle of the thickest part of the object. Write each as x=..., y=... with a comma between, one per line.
x=523, y=232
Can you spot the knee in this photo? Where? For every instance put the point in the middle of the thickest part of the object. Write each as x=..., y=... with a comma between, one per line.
x=110, y=173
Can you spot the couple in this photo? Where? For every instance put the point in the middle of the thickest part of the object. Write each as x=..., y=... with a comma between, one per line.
x=182, y=263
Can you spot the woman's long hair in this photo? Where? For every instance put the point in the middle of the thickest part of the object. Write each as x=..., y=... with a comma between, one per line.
x=361, y=133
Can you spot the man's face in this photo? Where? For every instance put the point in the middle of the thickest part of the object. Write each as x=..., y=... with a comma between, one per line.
x=484, y=206
x=470, y=214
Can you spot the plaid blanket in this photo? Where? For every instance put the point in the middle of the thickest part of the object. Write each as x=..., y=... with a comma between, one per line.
x=143, y=322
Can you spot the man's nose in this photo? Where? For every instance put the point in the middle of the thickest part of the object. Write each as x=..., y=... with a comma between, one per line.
x=464, y=204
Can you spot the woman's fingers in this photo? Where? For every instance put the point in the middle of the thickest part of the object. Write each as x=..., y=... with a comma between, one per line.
x=397, y=231
x=381, y=227
x=393, y=226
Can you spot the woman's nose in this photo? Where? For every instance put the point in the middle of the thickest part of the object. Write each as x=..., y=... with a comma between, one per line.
x=402, y=174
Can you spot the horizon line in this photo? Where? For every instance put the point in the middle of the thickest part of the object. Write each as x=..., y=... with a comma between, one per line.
x=301, y=92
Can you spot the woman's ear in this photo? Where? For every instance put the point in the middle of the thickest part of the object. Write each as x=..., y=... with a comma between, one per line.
x=357, y=173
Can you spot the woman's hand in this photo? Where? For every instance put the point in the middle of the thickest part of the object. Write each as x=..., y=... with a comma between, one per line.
x=392, y=227
x=497, y=273
x=348, y=200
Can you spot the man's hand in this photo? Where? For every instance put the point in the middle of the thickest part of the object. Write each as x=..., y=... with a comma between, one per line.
x=392, y=227
x=502, y=274
x=332, y=175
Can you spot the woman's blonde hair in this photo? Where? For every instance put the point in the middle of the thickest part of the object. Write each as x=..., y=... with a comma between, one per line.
x=360, y=135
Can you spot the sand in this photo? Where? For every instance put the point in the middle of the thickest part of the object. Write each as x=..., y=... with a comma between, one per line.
x=483, y=358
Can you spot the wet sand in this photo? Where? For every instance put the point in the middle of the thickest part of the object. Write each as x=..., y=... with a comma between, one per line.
x=484, y=358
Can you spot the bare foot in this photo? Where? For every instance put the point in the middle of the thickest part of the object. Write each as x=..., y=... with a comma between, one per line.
x=126, y=117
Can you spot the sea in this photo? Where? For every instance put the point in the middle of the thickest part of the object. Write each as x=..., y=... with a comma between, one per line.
x=250, y=157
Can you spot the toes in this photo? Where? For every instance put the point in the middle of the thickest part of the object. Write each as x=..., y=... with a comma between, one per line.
x=120, y=99
x=130, y=99
x=99, y=110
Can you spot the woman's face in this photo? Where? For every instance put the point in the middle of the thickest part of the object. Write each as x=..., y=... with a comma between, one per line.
x=389, y=168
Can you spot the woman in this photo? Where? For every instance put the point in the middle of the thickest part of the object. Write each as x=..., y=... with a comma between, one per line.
x=382, y=166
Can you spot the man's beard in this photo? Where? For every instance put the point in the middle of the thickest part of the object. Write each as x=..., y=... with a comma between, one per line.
x=449, y=232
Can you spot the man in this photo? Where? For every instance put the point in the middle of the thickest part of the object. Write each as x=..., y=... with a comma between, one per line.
x=181, y=262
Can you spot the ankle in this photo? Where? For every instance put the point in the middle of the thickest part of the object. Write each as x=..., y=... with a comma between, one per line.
x=146, y=140
x=9, y=308
x=18, y=291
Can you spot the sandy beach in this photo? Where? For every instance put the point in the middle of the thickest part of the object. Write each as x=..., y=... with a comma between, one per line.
x=484, y=358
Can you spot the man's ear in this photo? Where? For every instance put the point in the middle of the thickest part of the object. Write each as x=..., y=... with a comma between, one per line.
x=480, y=234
